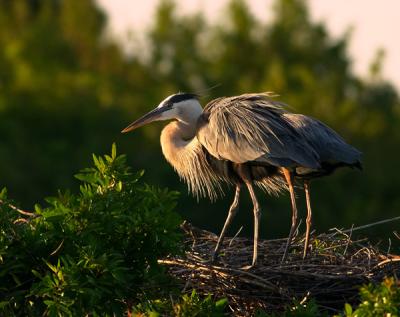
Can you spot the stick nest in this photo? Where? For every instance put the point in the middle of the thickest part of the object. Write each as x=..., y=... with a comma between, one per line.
x=331, y=274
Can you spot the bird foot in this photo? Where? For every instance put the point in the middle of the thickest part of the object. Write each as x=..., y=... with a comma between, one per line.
x=247, y=267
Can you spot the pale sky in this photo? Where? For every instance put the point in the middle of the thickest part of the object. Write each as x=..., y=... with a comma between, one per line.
x=375, y=24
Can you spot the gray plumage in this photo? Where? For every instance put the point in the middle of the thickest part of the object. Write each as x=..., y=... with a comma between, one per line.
x=247, y=139
x=332, y=150
x=250, y=128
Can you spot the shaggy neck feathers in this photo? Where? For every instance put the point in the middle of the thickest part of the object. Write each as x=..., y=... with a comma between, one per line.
x=184, y=152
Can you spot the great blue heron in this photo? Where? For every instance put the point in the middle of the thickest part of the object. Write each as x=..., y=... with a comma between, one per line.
x=247, y=139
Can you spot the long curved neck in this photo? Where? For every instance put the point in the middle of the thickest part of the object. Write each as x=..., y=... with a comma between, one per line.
x=175, y=140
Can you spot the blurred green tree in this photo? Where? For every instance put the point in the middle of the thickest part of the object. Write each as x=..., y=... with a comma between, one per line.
x=67, y=89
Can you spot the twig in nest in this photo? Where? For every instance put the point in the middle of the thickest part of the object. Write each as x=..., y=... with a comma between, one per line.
x=296, y=232
x=234, y=237
x=348, y=240
x=396, y=259
x=373, y=224
x=390, y=245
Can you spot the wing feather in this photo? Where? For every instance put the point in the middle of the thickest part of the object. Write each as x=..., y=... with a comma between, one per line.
x=251, y=127
x=329, y=145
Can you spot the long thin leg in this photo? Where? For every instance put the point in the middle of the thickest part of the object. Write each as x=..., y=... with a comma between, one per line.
x=309, y=217
x=289, y=180
x=232, y=212
x=257, y=216
x=245, y=175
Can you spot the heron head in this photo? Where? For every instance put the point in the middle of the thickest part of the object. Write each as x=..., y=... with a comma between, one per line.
x=184, y=107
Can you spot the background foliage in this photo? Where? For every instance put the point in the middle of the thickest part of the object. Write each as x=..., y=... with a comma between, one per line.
x=67, y=89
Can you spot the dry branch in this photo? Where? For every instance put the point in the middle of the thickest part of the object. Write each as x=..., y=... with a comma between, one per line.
x=23, y=212
x=21, y=220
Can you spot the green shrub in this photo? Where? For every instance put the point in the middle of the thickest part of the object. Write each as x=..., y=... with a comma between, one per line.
x=186, y=306
x=93, y=252
x=377, y=300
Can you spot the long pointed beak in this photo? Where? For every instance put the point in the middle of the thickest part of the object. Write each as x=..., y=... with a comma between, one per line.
x=147, y=118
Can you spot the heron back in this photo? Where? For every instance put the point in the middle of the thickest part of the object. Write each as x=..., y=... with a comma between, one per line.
x=251, y=127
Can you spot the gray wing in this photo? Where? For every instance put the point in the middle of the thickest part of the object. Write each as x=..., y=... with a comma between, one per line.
x=326, y=142
x=251, y=127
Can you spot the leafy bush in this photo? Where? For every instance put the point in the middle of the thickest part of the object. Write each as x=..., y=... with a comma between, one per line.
x=377, y=300
x=92, y=252
x=186, y=306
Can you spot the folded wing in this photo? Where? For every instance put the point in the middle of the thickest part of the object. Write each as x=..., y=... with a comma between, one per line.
x=252, y=128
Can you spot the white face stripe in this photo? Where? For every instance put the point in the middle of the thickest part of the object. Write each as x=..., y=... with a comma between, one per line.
x=178, y=98
x=165, y=101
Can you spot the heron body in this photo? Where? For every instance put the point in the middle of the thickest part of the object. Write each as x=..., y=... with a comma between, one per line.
x=247, y=140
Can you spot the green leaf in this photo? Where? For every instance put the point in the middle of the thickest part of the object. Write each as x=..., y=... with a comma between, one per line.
x=3, y=193
x=114, y=151
x=49, y=303
x=348, y=309
x=221, y=304
x=119, y=186
x=96, y=161
x=36, y=273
